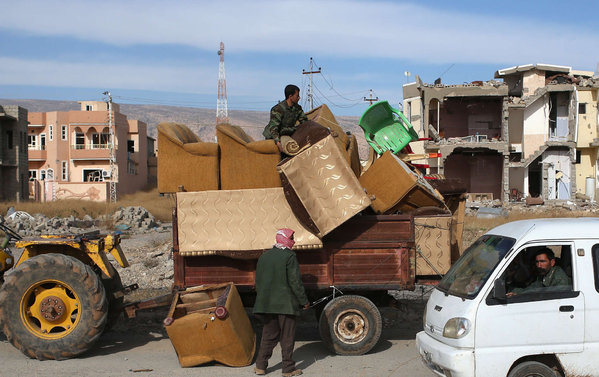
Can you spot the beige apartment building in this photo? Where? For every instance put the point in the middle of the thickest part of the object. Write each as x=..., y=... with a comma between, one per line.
x=532, y=134
x=70, y=153
x=13, y=153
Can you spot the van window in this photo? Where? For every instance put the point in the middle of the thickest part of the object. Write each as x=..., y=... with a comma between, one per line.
x=595, y=252
x=474, y=267
x=539, y=270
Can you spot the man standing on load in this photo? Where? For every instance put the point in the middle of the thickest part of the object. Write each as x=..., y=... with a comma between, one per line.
x=279, y=296
x=285, y=116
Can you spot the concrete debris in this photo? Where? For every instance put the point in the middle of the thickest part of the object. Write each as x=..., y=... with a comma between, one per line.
x=135, y=219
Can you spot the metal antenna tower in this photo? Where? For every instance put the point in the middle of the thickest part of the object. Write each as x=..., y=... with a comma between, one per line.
x=221, y=101
x=112, y=150
x=310, y=72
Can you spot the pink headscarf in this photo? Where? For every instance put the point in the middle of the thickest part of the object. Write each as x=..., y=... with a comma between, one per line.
x=283, y=238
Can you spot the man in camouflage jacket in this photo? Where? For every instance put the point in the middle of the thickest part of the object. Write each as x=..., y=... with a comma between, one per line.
x=285, y=116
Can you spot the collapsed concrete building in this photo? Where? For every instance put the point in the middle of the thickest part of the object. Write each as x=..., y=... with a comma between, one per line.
x=532, y=134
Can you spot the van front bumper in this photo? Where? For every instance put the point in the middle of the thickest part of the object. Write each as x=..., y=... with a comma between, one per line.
x=445, y=360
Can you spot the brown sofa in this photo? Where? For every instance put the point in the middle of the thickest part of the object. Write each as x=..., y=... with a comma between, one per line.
x=346, y=143
x=245, y=163
x=185, y=160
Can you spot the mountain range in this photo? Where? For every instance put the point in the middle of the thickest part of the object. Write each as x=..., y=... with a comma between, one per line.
x=201, y=121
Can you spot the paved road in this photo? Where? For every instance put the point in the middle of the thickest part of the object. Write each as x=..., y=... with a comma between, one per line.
x=140, y=347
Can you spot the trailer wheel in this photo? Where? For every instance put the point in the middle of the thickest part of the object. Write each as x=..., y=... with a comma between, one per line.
x=52, y=306
x=350, y=325
x=532, y=369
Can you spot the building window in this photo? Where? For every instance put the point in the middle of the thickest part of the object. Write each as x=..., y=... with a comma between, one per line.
x=50, y=174
x=93, y=175
x=131, y=167
x=32, y=175
x=42, y=174
x=63, y=132
x=105, y=138
x=9, y=141
x=582, y=108
x=131, y=146
x=64, y=171
x=79, y=140
x=50, y=132
x=89, y=108
x=43, y=142
x=578, y=156
x=32, y=141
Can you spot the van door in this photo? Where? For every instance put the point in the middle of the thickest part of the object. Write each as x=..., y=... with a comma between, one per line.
x=533, y=321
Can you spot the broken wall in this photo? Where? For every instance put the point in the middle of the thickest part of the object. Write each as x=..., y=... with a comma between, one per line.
x=461, y=116
x=482, y=172
x=557, y=174
x=536, y=120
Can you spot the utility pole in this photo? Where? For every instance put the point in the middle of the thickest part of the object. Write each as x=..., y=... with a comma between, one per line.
x=222, y=115
x=371, y=100
x=311, y=72
x=112, y=150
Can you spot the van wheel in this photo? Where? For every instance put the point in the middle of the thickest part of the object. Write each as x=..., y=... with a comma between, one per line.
x=532, y=369
x=350, y=325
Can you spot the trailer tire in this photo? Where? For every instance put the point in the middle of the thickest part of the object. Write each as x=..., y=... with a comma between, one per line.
x=532, y=368
x=52, y=306
x=350, y=325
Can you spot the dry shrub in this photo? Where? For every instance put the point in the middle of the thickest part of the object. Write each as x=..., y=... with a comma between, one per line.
x=159, y=206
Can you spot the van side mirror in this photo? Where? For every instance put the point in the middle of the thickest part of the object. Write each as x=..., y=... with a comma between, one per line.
x=499, y=290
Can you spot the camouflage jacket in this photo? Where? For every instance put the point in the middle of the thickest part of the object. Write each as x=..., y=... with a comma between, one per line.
x=283, y=120
x=556, y=277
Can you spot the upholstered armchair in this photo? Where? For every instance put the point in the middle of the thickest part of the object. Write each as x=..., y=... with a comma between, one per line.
x=245, y=163
x=185, y=160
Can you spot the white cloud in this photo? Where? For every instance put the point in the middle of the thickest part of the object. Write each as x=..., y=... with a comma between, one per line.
x=182, y=79
x=342, y=28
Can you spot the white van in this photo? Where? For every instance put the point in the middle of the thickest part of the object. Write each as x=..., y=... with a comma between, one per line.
x=475, y=325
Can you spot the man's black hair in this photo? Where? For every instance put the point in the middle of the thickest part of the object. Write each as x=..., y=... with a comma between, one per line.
x=547, y=251
x=290, y=90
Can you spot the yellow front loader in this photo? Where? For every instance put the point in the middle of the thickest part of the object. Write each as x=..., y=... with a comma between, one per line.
x=57, y=298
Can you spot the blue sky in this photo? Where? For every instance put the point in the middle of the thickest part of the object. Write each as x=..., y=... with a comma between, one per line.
x=166, y=52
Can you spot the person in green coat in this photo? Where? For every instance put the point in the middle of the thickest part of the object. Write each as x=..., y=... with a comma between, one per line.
x=280, y=295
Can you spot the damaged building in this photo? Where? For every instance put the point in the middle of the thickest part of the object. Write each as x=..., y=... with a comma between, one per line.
x=532, y=134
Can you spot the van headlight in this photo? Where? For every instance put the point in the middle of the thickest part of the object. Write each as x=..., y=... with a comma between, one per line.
x=456, y=328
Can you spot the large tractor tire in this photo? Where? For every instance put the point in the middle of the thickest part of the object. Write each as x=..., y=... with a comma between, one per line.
x=350, y=325
x=52, y=306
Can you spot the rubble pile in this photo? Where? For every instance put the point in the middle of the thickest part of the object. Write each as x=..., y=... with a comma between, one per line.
x=134, y=218
x=129, y=219
x=150, y=260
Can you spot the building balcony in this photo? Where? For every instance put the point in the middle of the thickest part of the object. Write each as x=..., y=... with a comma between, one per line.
x=36, y=153
x=90, y=152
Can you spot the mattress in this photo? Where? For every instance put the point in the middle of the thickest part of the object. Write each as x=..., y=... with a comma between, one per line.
x=320, y=183
x=236, y=220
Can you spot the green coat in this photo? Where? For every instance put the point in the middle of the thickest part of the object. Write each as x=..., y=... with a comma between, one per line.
x=278, y=283
x=283, y=120
x=556, y=277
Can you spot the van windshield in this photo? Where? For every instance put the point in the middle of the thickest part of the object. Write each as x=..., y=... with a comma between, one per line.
x=474, y=267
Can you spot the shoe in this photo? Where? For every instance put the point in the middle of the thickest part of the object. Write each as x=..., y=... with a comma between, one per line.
x=296, y=372
x=259, y=372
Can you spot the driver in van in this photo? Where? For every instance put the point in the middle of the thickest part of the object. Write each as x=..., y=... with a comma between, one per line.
x=548, y=274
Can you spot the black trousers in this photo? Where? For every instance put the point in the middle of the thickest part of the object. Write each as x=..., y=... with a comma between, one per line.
x=277, y=327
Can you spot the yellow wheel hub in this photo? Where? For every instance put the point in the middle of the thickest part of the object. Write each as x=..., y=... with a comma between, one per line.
x=50, y=309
